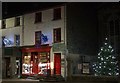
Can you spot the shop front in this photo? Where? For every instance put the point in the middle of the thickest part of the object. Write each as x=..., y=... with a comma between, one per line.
x=36, y=61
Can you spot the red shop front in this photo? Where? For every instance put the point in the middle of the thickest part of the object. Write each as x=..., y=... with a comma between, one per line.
x=36, y=61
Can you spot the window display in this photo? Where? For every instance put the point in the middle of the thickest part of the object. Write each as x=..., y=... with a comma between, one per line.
x=27, y=66
x=36, y=63
x=43, y=63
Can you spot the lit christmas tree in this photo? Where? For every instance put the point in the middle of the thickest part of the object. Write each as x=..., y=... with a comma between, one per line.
x=107, y=63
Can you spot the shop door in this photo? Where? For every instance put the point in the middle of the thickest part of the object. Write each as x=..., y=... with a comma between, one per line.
x=57, y=63
x=34, y=60
x=7, y=59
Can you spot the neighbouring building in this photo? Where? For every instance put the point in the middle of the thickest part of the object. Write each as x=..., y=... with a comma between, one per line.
x=109, y=26
x=60, y=40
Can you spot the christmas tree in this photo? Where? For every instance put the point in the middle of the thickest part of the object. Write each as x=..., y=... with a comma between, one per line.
x=107, y=63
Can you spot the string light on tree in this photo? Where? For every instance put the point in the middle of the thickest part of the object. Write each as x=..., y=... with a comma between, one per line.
x=106, y=61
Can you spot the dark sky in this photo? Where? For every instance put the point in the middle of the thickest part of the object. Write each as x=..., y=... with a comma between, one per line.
x=10, y=9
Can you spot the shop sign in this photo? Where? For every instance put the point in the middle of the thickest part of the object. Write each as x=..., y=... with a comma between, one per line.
x=58, y=47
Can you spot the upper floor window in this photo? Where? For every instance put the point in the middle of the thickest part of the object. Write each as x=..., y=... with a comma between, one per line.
x=17, y=40
x=114, y=27
x=38, y=17
x=38, y=38
x=57, y=35
x=3, y=43
x=3, y=24
x=17, y=21
x=57, y=14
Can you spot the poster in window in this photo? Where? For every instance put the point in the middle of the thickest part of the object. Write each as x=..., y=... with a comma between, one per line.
x=85, y=68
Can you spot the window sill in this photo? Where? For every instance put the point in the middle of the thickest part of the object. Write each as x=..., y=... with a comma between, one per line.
x=56, y=19
x=38, y=22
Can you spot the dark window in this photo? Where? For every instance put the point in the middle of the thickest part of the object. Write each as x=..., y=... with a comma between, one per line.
x=114, y=27
x=57, y=35
x=38, y=38
x=3, y=24
x=117, y=27
x=57, y=14
x=3, y=44
x=17, y=21
x=38, y=17
x=17, y=40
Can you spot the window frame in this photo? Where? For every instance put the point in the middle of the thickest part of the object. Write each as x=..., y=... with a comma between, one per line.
x=17, y=21
x=38, y=17
x=38, y=41
x=16, y=39
x=57, y=13
x=4, y=24
x=56, y=35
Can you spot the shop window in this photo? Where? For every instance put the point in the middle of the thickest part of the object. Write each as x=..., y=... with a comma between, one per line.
x=3, y=24
x=38, y=38
x=17, y=21
x=17, y=40
x=43, y=63
x=57, y=35
x=38, y=17
x=57, y=14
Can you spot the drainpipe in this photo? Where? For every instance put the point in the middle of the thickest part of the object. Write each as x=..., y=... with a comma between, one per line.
x=22, y=30
x=65, y=61
x=22, y=44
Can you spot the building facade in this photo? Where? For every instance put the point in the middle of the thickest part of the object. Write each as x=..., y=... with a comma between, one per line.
x=54, y=41
x=109, y=26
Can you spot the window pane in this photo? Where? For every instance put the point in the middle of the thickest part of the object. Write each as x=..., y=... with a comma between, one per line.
x=17, y=21
x=38, y=38
x=3, y=24
x=57, y=35
x=38, y=17
x=17, y=40
x=57, y=13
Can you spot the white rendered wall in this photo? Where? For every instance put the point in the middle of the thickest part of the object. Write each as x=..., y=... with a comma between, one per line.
x=11, y=31
x=46, y=26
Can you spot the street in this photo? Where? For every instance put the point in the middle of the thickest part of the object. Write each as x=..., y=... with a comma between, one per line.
x=37, y=81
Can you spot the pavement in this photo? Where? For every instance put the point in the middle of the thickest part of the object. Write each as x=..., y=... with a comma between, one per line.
x=19, y=81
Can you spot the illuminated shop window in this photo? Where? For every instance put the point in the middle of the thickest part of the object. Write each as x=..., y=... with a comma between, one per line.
x=27, y=65
x=43, y=63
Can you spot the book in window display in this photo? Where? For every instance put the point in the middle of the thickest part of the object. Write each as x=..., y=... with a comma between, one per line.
x=42, y=64
x=85, y=68
x=26, y=65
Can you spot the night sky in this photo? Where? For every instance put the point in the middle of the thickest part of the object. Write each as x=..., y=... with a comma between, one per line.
x=10, y=9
